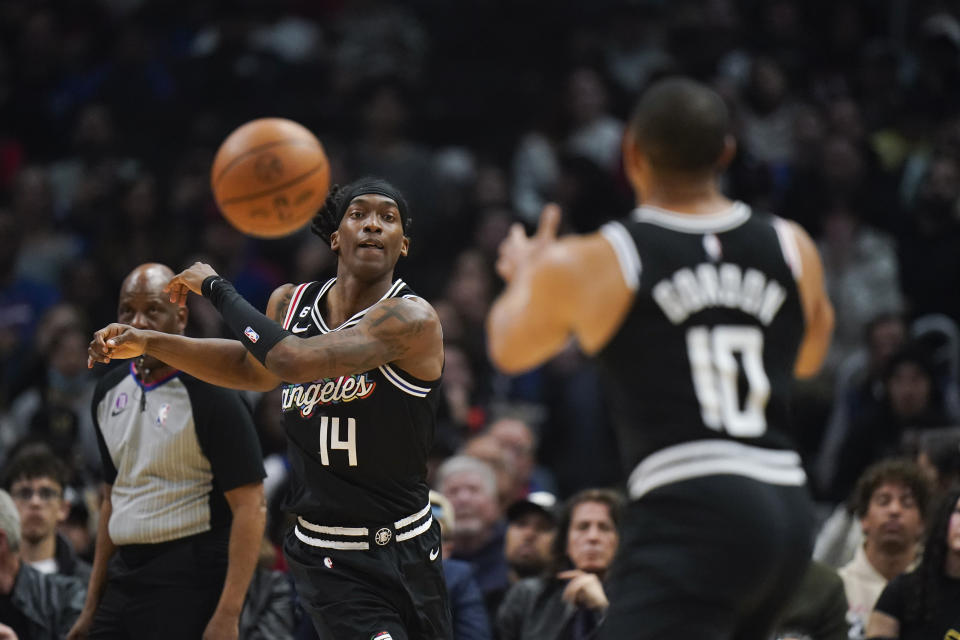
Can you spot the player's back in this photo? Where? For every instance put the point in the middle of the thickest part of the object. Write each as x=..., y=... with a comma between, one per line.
x=700, y=371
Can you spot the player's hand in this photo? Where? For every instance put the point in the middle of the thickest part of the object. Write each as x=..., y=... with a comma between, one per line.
x=116, y=341
x=584, y=589
x=6, y=633
x=517, y=250
x=188, y=280
x=222, y=626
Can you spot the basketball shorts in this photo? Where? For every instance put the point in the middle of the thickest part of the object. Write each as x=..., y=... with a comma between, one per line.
x=711, y=557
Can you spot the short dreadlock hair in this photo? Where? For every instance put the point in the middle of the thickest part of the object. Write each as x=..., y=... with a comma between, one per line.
x=327, y=220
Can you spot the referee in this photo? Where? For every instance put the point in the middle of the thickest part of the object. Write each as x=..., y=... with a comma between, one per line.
x=183, y=513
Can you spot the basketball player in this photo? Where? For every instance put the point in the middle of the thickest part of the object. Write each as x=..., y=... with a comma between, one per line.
x=700, y=312
x=359, y=358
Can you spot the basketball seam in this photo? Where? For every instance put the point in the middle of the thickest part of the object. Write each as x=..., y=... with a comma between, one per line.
x=279, y=187
x=257, y=149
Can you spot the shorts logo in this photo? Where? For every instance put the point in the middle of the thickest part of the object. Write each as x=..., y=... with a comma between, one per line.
x=328, y=563
x=252, y=335
x=383, y=635
x=434, y=553
x=382, y=537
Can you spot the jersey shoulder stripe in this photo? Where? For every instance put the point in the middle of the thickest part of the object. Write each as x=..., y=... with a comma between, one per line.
x=295, y=304
x=399, y=382
x=626, y=251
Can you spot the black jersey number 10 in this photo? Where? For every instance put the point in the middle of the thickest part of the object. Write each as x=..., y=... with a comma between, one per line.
x=716, y=371
x=331, y=439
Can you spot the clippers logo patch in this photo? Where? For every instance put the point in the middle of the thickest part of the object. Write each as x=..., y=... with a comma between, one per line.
x=252, y=335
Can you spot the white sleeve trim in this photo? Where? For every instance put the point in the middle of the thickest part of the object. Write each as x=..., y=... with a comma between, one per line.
x=625, y=249
x=788, y=244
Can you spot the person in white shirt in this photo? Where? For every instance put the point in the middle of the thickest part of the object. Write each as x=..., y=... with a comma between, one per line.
x=890, y=500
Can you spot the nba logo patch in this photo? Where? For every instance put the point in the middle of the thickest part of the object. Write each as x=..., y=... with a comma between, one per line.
x=328, y=563
x=383, y=635
x=163, y=413
x=252, y=335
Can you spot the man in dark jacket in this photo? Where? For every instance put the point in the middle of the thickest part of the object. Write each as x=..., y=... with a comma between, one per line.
x=34, y=605
x=37, y=480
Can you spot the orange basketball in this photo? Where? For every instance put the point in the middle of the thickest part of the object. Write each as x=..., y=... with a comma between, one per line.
x=270, y=177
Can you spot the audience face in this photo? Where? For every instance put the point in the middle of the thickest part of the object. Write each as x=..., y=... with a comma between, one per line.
x=475, y=508
x=500, y=459
x=41, y=506
x=528, y=540
x=892, y=523
x=592, y=539
x=953, y=530
x=515, y=436
x=909, y=389
x=885, y=338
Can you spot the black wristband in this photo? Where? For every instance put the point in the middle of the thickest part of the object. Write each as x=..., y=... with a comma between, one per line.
x=206, y=287
x=256, y=332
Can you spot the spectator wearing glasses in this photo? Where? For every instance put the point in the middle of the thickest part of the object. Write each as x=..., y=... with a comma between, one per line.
x=33, y=605
x=36, y=479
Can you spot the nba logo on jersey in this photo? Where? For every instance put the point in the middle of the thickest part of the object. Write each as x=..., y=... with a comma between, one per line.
x=383, y=635
x=163, y=413
x=252, y=335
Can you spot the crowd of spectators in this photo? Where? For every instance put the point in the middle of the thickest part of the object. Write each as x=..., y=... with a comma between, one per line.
x=847, y=116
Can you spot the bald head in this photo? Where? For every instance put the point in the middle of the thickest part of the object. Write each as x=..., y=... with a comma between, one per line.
x=151, y=275
x=144, y=304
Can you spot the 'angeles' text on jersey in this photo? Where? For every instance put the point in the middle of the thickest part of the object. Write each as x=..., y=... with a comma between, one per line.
x=716, y=323
x=358, y=443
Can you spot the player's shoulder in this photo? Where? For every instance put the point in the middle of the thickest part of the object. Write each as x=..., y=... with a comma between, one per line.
x=409, y=307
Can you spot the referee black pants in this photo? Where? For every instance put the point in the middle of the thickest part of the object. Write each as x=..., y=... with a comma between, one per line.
x=166, y=590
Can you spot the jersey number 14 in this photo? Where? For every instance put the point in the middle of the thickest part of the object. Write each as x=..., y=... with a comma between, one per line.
x=331, y=439
x=715, y=370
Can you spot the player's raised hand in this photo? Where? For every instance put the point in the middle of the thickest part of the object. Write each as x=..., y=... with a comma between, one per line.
x=188, y=280
x=115, y=341
x=517, y=249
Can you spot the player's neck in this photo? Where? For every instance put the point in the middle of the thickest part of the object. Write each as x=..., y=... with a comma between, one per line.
x=350, y=295
x=683, y=195
x=890, y=565
x=42, y=550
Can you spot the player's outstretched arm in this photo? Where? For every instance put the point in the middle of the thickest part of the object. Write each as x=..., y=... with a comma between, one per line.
x=817, y=310
x=225, y=363
x=403, y=331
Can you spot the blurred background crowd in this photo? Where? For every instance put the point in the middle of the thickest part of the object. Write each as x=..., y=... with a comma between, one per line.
x=847, y=115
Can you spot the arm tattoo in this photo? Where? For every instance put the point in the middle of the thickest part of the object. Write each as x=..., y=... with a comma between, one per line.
x=284, y=305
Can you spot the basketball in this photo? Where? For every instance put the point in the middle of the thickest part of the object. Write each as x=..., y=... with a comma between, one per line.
x=270, y=176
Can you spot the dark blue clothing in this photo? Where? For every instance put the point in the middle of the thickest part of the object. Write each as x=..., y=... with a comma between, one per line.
x=489, y=565
x=470, y=621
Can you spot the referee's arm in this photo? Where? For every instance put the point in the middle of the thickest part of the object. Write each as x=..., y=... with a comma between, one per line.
x=248, y=505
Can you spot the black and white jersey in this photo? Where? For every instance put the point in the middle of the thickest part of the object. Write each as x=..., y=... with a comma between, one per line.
x=357, y=443
x=700, y=371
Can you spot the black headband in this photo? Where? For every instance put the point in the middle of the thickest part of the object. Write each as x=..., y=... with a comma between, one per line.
x=366, y=186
